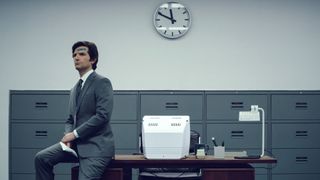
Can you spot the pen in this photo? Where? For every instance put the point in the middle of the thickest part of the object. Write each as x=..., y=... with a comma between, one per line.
x=214, y=141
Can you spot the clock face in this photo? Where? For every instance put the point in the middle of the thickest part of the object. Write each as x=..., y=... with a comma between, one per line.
x=172, y=20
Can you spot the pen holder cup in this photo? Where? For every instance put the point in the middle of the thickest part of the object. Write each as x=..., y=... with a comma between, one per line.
x=219, y=151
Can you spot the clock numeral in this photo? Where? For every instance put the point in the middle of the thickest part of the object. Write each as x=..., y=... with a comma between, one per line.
x=184, y=12
x=179, y=32
x=187, y=19
x=165, y=32
x=171, y=33
x=157, y=19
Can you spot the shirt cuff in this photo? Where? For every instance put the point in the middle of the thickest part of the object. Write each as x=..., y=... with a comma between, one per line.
x=76, y=133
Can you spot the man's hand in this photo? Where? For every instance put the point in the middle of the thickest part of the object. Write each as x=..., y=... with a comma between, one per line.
x=67, y=138
x=68, y=144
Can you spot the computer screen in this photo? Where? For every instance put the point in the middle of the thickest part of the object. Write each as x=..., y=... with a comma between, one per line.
x=166, y=137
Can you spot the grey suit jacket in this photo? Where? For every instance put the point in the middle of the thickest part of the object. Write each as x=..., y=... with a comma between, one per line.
x=91, y=118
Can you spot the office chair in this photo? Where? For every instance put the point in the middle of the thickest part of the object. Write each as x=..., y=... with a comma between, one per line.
x=172, y=173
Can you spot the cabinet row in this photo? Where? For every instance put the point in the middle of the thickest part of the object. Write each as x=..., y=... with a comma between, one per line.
x=241, y=135
x=199, y=106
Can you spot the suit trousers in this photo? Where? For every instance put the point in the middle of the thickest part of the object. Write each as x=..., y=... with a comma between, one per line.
x=90, y=168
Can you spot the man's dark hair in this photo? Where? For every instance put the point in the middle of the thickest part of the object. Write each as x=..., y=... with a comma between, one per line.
x=93, y=51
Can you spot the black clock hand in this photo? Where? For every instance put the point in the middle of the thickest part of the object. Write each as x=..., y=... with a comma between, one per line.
x=166, y=17
x=172, y=20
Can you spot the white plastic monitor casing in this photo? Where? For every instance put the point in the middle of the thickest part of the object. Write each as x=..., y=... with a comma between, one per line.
x=166, y=137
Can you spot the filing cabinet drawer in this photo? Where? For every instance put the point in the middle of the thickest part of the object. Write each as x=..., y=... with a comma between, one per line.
x=125, y=107
x=35, y=135
x=227, y=107
x=125, y=135
x=244, y=136
x=39, y=106
x=176, y=104
x=297, y=160
x=22, y=161
x=295, y=107
x=296, y=177
x=295, y=135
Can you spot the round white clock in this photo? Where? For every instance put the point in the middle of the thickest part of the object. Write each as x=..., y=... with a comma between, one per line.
x=172, y=20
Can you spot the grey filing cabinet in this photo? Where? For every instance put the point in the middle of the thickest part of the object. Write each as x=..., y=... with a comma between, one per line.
x=174, y=103
x=36, y=121
x=124, y=121
x=295, y=135
x=222, y=112
x=292, y=119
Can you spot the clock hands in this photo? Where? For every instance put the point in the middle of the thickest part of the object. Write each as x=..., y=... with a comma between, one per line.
x=164, y=15
x=170, y=18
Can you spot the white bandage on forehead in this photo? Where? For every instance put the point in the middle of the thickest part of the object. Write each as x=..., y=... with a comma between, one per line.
x=81, y=49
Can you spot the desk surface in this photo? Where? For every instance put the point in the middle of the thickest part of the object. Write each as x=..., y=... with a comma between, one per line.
x=189, y=161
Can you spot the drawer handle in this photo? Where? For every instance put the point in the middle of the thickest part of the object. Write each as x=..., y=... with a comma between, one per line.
x=41, y=133
x=301, y=105
x=301, y=159
x=237, y=134
x=41, y=105
x=172, y=105
x=301, y=133
x=236, y=105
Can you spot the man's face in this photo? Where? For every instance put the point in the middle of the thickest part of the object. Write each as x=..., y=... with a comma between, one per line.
x=81, y=59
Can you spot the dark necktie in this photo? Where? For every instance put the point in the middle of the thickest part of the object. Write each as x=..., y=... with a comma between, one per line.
x=78, y=91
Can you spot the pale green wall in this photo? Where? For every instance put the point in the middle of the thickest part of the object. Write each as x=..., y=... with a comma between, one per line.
x=232, y=44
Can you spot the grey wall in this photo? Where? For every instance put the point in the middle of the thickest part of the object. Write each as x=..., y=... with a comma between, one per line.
x=233, y=44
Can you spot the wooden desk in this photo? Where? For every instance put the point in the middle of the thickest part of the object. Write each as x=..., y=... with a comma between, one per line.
x=213, y=168
x=137, y=161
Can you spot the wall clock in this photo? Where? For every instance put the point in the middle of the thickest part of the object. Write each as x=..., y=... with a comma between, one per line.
x=172, y=20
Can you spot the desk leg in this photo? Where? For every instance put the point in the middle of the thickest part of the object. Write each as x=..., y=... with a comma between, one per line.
x=127, y=173
x=228, y=174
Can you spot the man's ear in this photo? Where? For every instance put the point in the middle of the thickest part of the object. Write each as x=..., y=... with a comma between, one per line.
x=92, y=61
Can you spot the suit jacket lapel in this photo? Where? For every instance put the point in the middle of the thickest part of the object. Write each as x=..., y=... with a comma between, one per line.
x=87, y=84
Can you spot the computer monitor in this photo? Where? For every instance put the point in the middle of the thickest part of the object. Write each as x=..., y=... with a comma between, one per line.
x=166, y=137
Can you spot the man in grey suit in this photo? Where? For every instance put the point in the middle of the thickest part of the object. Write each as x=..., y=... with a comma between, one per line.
x=87, y=129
